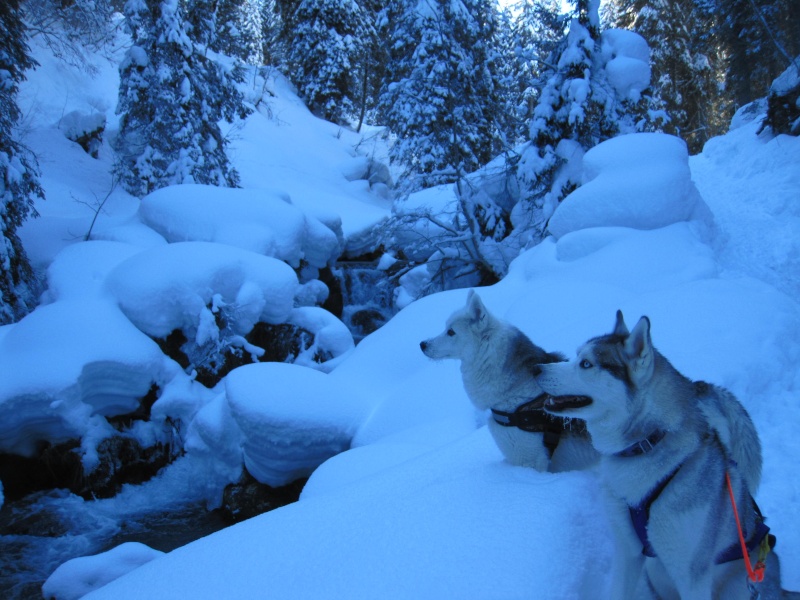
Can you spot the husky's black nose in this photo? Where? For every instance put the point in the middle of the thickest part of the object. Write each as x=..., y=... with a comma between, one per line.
x=423, y=345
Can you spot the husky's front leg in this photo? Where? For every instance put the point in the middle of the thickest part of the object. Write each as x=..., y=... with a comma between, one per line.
x=628, y=561
x=520, y=448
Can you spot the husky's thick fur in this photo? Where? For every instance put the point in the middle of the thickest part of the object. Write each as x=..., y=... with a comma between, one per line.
x=497, y=367
x=666, y=444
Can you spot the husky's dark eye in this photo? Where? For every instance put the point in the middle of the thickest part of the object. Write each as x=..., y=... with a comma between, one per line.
x=585, y=364
x=450, y=332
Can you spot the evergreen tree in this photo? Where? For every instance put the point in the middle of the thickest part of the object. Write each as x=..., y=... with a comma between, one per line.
x=271, y=24
x=201, y=22
x=327, y=54
x=684, y=74
x=760, y=38
x=578, y=108
x=72, y=28
x=19, y=183
x=236, y=36
x=526, y=38
x=439, y=94
x=253, y=32
x=171, y=100
x=230, y=27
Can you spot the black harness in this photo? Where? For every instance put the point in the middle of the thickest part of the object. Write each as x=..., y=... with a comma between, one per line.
x=531, y=417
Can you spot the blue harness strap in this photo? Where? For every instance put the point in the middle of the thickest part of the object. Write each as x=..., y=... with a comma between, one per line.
x=640, y=516
x=640, y=513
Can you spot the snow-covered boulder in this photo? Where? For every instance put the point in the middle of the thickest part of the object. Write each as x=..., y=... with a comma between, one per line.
x=216, y=441
x=79, y=576
x=332, y=338
x=261, y=221
x=81, y=269
x=65, y=366
x=640, y=180
x=182, y=286
x=627, y=59
x=783, y=102
x=366, y=167
x=292, y=419
x=84, y=129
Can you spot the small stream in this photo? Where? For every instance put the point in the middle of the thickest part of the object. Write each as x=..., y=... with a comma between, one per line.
x=43, y=530
x=367, y=296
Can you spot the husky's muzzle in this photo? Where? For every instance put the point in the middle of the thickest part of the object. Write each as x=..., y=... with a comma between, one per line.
x=561, y=403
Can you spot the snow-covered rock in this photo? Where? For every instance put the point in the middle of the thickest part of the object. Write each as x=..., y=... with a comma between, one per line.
x=79, y=576
x=640, y=180
x=332, y=338
x=95, y=362
x=292, y=419
x=81, y=269
x=783, y=102
x=627, y=59
x=214, y=438
x=264, y=222
x=84, y=129
x=181, y=285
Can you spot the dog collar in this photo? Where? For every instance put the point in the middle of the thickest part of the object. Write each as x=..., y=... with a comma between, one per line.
x=643, y=446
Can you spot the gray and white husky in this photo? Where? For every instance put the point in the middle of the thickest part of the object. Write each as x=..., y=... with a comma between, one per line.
x=666, y=444
x=497, y=368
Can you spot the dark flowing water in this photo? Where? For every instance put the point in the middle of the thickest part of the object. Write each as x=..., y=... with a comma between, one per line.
x=44, y=530
x=367, y=297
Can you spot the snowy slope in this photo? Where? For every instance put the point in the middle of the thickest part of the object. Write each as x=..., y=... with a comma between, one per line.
x=422, y=505
x=425, y=507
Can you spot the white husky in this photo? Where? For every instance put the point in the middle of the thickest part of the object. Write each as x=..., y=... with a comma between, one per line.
x=667, y=444
x=497, y=363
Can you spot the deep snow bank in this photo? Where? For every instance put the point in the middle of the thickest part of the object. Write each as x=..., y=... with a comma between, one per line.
x=423, y=505
x=640, y=180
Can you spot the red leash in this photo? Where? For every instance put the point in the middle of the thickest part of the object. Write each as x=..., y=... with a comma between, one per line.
x=756, y=574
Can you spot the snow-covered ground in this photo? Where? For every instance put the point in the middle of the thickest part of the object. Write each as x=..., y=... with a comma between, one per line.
x=422, y=504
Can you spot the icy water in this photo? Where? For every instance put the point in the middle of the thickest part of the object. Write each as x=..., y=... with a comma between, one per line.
x=367, y=297
x=43, y=530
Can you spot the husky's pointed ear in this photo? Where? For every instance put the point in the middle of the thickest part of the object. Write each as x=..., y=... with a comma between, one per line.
x=620, y=328
x=475, y=306
x=639, y=351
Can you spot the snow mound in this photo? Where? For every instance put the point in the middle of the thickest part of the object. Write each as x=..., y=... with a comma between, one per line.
x=332, y=338
x=261, y=221
x=627, y=59
x=292, y=419
x=182, y=285
x=81, y=269
x=436, y=526
x=79, y=576
x=214, y=441
x=55, y=391
x=79, y=127
x=640, y=180
x=751, y=183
